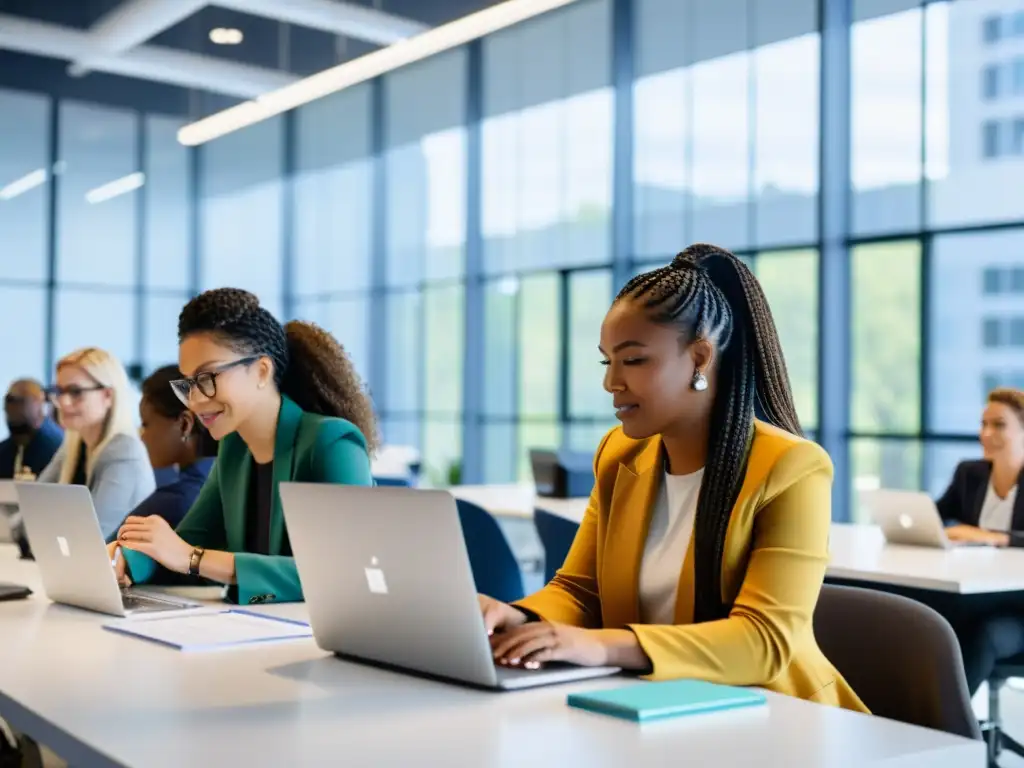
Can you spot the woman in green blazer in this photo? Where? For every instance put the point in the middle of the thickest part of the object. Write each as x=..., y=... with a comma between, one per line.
x=285, y=403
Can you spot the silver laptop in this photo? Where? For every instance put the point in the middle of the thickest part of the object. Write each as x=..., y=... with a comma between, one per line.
x=8, y=493
x=8, y=510
x=909, y=517
x=64, y=533
x=387, y=580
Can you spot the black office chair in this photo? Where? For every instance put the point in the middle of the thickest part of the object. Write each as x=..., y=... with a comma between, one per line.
x=900, y=656
x=995, y=735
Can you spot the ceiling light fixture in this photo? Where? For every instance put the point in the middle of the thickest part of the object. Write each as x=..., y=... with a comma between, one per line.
x=226, y=36
x=24, y=184
x=407, y=51
x=115, y=188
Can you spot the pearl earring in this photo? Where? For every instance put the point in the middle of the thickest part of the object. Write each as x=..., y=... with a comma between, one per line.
x=700, y=382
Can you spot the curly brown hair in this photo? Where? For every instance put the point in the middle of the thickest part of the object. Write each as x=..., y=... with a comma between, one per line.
x=310, y=365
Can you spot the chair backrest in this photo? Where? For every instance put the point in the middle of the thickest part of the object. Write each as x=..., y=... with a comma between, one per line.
x=900, y=656
x=495, y=569
x=556, y=535
x=385, y=481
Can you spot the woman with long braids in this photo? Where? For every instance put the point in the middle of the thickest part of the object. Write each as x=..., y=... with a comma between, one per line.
x=704, y=545
x=286, y=404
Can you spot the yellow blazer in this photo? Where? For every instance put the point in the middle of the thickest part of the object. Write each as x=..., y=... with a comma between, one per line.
x=773, y=565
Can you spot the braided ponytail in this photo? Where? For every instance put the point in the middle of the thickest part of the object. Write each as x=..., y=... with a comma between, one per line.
x=707, y=293
x=310, y=366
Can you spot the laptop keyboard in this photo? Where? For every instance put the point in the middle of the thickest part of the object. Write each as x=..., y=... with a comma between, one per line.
x=138, y=603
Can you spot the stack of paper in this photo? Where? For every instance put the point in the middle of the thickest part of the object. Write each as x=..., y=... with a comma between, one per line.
x=202, y=631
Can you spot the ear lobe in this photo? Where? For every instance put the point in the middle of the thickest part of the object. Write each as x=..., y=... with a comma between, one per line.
x=188, y=423
x=703, y=353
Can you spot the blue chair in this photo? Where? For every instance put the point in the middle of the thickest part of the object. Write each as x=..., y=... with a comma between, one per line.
x=495, y=569
x=392, y=482
x=556, y=534
x=165, y=476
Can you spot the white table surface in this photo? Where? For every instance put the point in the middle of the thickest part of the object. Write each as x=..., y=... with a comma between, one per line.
x=518, y=501
x=102, y=699
x=860, y=552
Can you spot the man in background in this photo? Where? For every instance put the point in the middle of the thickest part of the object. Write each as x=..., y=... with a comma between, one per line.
x=34, y=438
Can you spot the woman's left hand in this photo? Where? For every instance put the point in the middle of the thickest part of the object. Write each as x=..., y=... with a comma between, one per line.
x=154, y=536
x=975, y=534
x=532, y=644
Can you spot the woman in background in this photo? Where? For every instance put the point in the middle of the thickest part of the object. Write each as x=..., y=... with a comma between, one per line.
x=173, y=437
x=101, y=447
x=983, y=504
x=286, y=404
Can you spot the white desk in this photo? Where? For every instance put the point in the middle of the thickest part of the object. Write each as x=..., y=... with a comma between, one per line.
x=102, y=699
x=859, y=552
x=518, y=501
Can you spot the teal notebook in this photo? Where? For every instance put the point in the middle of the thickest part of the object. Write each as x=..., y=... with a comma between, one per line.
x=645, y=702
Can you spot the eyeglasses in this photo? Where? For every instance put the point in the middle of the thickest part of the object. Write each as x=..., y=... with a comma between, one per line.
x=206, y=382
x=74, y=393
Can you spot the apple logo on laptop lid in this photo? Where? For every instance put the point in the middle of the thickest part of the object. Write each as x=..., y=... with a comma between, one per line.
x=375, y=578
x=906, y=521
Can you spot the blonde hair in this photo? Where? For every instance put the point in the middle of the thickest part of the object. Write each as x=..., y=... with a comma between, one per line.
x=1011, y=398
x=105, y=369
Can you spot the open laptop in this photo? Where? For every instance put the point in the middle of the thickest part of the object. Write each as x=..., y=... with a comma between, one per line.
x=8, y=510
x=8, y=493
x=387, y=580
x=909, y=517
x=65, y=536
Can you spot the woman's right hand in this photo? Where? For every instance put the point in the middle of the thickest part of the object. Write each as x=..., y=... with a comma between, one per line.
x=499, y=616
x=118, y=564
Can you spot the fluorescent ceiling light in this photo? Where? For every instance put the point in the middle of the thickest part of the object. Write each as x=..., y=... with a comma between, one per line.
x=24, y=184
x=226, y=36
x=412, y=49
x=116, y=187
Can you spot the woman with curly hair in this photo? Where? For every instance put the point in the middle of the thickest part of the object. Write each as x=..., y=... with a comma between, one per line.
x=286, y=404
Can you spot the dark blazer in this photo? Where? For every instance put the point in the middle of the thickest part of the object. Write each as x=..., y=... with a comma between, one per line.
x=173, y=500
x=38, y=453
x=309, y=448
x=965, y=496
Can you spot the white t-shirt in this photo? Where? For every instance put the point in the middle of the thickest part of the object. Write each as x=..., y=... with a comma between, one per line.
x=996, y=513
x=665, y=550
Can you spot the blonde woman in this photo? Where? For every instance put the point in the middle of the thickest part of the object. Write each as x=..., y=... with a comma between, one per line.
x=101, y=447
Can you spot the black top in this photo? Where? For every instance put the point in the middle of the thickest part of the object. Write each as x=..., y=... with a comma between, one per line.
x=174, y=500
x=261, y=504
x=37, y=454
x=79, y=477
x=965, y=496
